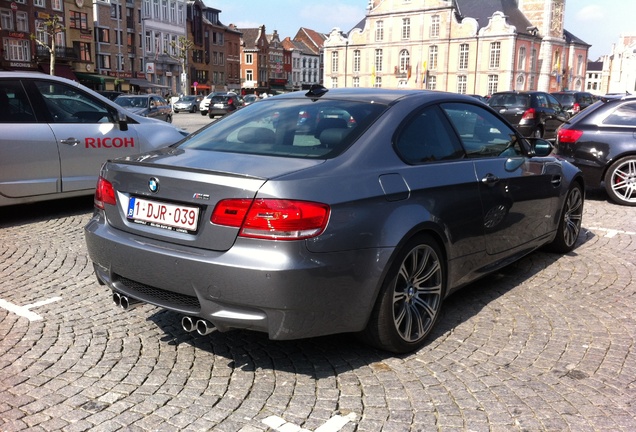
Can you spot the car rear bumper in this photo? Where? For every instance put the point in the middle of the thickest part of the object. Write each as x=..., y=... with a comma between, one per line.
x=284, y=290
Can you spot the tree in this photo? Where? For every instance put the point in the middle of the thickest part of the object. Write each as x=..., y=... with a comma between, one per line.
x=51, y=28
x=179, y=52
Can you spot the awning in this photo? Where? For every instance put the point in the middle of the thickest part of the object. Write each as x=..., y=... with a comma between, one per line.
x=95, y=78
x=65, y=71
x=202, y=87
x=142, y=83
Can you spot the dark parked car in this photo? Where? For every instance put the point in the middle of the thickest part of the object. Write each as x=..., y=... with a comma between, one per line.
x=187, y=103
x=153, y=106
x=533, y=113
x=112, y=95
x=601, y=141
x=222, y=104
x=573, y=101
x=365, y=229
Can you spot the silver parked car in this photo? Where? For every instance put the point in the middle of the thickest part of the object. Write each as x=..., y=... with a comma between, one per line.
x=348, y=226
x=152, y=106
x=55, y=134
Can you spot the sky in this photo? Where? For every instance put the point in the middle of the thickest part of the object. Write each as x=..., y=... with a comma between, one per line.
x=596, y=22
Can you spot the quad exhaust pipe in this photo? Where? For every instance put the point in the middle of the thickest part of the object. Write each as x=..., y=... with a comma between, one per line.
x=125, y=302
x=203, y=327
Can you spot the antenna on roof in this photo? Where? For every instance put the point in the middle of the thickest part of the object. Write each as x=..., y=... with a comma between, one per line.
x=316, y=90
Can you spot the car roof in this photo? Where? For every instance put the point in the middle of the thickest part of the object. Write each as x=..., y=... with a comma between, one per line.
x=377, y=95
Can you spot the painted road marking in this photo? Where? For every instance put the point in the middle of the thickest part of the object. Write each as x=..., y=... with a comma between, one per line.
x=334, y=424
x=612, y=232
x=25, y=311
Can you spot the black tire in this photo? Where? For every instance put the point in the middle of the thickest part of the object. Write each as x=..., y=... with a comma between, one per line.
x=410, y=299
x=203, y=113
x=620, y=181
x=570, y=221
x=175, y=111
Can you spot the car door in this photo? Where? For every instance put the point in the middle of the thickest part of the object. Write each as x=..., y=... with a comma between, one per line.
x=85, y=129
x=517, y=191
x=29, y=158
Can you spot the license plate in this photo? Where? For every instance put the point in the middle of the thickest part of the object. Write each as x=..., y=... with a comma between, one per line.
x=218, y=105
x=163, y=215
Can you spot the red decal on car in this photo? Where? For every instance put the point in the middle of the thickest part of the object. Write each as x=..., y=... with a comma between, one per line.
x=116, y=142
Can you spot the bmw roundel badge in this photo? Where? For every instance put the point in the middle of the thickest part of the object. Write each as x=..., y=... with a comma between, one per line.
x=153, y=184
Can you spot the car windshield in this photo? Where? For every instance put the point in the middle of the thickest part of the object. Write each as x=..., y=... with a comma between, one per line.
x=301, y=128
x=132, y=102
x=565, y=99
x=510, y=100
x=187, y=98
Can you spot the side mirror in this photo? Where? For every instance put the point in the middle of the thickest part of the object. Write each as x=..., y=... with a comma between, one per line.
x=122, y=119
x=540, y=147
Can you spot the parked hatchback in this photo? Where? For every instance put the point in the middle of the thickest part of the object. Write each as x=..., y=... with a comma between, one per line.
x=55, y=134
x=152, y=106
x=357, y=227
x=222, y=104
x=573, y=101
x=187, y=103
x=533, y=113
x=601, y=141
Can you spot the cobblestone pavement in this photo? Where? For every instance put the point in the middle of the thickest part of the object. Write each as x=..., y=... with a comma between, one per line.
x=547, y=344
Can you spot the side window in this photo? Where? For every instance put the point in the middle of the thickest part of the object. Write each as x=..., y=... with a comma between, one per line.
x=428, y=138
x=624, y=115
x=482, y=133
x=553, y=103
x=14, y=104
x=542, y=101
x=66, y=104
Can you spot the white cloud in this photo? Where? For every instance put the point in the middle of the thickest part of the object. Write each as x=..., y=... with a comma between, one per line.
x=590, y=13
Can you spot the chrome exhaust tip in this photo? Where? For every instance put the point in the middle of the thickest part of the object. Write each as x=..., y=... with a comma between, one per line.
x=125, y=302
x=204, y=327
x=188, y=324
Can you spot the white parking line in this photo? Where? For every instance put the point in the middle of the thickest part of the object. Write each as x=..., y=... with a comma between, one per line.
x=612, y=232
x=24, y=311
x=334, y=424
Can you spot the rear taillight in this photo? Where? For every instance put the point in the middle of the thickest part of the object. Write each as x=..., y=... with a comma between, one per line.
x=272, y=218
x=576, y=107
x=104, y=193
x=568, y=136
x=529, y=114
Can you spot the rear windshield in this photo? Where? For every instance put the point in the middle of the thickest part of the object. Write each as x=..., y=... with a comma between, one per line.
x=509, y=100
x=565, y=99
x=299, y=128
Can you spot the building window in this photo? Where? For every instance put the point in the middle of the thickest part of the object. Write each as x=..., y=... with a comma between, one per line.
x=334, y=62
x=520, y=82
x=249, y=75
x=579, y=65
x=432, y=57
x=405, y=61
x=103, y=35
x=378, y=82
x=155, y=9
x=79, y=20
x=406, y=28
x=173, y=12
x=533, y=60
x=7, y=19
x=39, y=3
x=146, y=8
x=83, y=50
x=356, y=81
x=432, y=83
x=434, y=26
x=461, y=84
x=356, y=61
x=57, y=5
x=495, y=55
x=334, y=82
x=17, y=50
x=379, y=31
x=249, y=58
x=22, y=21
x=493, y=82
x=378, y=60
x=164, y=10
x=40, y=32
x=522, y=58
x=463, y=56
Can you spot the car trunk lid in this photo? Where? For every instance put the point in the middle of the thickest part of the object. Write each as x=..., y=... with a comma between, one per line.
x=170, y=195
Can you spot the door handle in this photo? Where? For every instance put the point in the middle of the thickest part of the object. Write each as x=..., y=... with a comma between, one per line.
x=490, y=179
x=70, y=141
x=556, y=181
